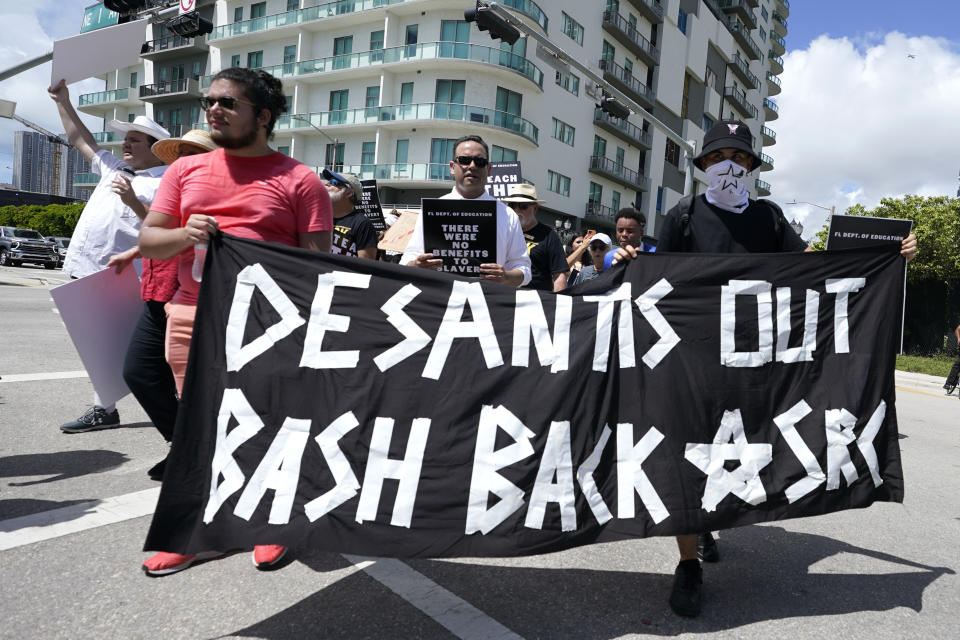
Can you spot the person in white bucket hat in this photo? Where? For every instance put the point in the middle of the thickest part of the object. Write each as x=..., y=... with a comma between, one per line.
x=110, y=222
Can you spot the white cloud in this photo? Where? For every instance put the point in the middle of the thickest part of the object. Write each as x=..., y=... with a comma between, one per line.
x=860, y=121
x=27, y=30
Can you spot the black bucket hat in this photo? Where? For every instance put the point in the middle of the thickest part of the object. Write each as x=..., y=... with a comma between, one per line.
x=728, y=134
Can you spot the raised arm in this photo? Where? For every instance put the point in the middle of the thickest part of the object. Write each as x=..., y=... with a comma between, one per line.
x=78, y=133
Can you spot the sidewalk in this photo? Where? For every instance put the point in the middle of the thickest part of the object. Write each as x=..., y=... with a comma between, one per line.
x=921, y=382
x=44, y=278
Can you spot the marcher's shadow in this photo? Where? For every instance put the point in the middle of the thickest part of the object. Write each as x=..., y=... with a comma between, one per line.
x=764, y=575
x=59, y=465
x=15, y=508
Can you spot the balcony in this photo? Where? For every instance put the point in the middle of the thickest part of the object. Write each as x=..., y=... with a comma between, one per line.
x=738, y=98
x=427, y=111
x=763, y=188
x=106, y=137
x=530, y=9
x=86, y=180
x=783, y=6
x=776, y=63
x=625, y=130
x=766, y=163
x=770, y=110
x=630, y=37
x=742, y=35
x=626, y=82
x=599, y=214
x=753, y=3
x=779, y=25
x=777, y=44
x=773, y=84
x=170, y=91
x=652, y=10
x=740, y=9
x=102, y=102
x=618, y=173
x=172, y=46
x=741, y=69
x=769, y=136
x=406, y=175
x=373, y=61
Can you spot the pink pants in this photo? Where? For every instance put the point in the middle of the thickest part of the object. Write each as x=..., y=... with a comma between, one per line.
x=177, y=344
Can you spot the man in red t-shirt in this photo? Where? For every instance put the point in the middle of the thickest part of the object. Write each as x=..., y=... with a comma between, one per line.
x=246, y=189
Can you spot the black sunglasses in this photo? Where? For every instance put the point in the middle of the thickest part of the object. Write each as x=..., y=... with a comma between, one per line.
x=520, y=206
x=226, y=102
x=464, y=161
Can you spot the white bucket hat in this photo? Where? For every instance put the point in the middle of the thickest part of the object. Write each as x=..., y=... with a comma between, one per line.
x=143, y=124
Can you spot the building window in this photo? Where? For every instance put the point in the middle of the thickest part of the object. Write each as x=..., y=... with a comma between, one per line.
x=368, y=153
x=197, y=69
x=450, y=91
x=615, y=201
x=563, y=132
x=558, y=183
x=284, y=149
x=255, y=59
x=608, y=51
x=763, y=12
x=334, y=156
x=293, y=5
x=338, y=106
x=596, y=192
x=376, y=40
x=287, y=104
x=454, y=31
x=258, y=10
x=569, y=82
x=599, y=146
x=685, y=98
x=659, y=199
x=621, y=154
x=373, y=97
x=132, y=116
x=502, y=154
x=403, y=148
x=406, y=93
x=763, y=34
x=682, y=21
x=672, y=153
x=572, y=28
x=710, y=78
x=410, y=39
x=342, y=48
x=133, y=80
x=238, y=14
x=707, y=123
x=290, y=53
x=235, y=61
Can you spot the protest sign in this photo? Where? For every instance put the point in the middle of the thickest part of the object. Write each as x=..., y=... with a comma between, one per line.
x=501, y=177
x=462, y=232
x=370, y=204
x=398, y=235
x=375, y=409
x=853, y=232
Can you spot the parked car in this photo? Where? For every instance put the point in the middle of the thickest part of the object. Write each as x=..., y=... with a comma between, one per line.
x=26, y=245
x=62, y=244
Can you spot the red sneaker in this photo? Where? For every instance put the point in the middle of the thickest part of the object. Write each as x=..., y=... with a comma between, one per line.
x=165, y=563
x=266, y=556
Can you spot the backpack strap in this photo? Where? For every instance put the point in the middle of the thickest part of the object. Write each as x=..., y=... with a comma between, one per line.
x=684, y=211
x=779, y=221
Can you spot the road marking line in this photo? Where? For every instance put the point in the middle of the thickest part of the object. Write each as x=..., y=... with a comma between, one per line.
x=38, y=377
x=46, y=525
x=923, y=393
x=454, y=613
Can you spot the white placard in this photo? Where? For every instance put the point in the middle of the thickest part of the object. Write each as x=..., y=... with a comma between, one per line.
x=101, y=311
x=96, y=52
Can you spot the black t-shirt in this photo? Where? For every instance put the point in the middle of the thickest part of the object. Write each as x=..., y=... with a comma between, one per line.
x=713, y=230
x=351, y=233
x=546, y=257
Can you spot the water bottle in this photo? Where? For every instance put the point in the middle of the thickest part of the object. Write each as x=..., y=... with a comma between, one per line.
x=199, y=255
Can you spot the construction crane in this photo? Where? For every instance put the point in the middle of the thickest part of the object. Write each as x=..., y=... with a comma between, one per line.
x=7, y=109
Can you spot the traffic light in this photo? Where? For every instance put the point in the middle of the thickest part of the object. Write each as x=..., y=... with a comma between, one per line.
x=487, y=20
x=125, y=6
x=189, y=25
x=610, y=105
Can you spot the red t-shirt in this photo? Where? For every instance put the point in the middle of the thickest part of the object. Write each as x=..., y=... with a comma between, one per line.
x=271, y=198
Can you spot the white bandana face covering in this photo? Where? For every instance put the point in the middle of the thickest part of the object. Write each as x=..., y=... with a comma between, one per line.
x=728, y=186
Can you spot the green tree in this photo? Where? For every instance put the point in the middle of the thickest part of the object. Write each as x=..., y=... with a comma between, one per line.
x=50, y=220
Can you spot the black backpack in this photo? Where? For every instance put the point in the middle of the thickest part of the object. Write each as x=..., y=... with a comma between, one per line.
x=687, y=206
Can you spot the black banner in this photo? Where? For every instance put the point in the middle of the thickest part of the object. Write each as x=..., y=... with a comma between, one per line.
x=462, y=232
x=502, y=176
x=370, y=204
x=383, y=410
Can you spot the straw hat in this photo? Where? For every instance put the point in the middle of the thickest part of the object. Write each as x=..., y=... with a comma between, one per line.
x=522, y=192
x=170, y=149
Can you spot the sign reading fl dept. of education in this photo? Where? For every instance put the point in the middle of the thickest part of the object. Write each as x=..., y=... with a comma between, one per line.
x=461, y=232
x=383, y=410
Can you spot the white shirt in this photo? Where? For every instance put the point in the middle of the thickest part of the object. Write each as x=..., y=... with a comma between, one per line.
x=107, y=226
x=511, y=247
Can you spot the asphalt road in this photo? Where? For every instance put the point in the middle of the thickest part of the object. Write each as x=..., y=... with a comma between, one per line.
x=73, y=515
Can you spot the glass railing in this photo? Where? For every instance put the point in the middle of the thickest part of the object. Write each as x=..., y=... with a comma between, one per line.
x=612, y=168
x=530, y=9
x=183, y=85
x=775, y=58
x=770, y=133
x=779, y=18
x=766, y=159
x=597, y=210
x=86, y=178
x=627, y=78
x=104, y=96
x=403, y=171
x=772, y=78
x=103, y=137
x=739, y=96
x=778, y=40
x=420, y=111
x=615, y=19
x=629, y=129
x=298, y=16
x=770, y=104
x=744, y=68
x=762, y=186
x=405, y=53
x=653, y=5
x=170, y=42
x=738, y=28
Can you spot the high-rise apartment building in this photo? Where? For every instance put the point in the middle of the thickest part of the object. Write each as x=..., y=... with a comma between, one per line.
x=381, y=88
x=34, y=156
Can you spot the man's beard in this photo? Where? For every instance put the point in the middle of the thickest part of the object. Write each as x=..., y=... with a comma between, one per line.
x=234, y=142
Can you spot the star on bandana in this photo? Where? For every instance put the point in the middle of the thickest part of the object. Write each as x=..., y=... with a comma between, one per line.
x=730, y=443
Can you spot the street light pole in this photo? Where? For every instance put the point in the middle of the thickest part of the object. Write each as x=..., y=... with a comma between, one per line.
x=832, y=209
x=331, y=157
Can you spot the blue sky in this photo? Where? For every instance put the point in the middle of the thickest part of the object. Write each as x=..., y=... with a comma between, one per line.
x=862, y=19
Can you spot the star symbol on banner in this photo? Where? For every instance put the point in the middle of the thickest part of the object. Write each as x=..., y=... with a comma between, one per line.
x=731, y=444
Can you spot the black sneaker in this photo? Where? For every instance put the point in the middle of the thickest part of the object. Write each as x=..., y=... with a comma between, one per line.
x=950, y=388
x=707, y=548
x=94, y=419
x=156, y=471
x=685, y=598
